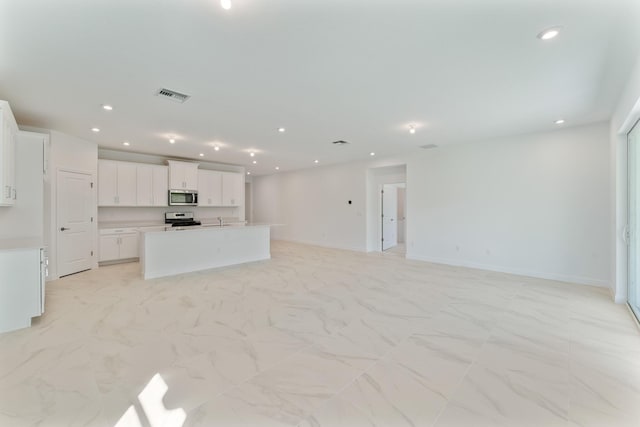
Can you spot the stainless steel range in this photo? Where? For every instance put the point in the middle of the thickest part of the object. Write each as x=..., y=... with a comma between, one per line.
x=180, y=219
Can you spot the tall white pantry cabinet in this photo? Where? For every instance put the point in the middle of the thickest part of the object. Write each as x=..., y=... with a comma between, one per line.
x=8, y=133
x=22, y=255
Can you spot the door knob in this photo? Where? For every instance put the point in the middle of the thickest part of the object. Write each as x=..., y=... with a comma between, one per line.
x=63, y=228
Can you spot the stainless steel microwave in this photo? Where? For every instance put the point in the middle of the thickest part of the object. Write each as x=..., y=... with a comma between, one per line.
x=183, y=198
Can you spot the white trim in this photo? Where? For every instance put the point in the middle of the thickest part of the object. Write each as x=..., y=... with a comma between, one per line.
x=633, y=316
x=630, y=121
x=519, y=272
x=621, y=249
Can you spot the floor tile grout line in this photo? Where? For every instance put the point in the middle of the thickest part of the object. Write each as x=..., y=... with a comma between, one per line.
x=474, y=362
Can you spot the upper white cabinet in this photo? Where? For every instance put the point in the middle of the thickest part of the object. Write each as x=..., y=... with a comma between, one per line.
x=209, y=188
x=152, y=185
x=183, y=175
x=139, y=184
x=232, y=189
x=8, y=133
x=117, y=183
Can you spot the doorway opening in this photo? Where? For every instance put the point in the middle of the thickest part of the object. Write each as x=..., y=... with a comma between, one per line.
x=377, y=178
x=393, y=220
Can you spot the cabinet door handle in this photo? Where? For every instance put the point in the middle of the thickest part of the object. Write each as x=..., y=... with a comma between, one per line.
x=64, y=228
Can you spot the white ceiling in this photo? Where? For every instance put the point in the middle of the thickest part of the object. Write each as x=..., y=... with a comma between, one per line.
x=359, y=70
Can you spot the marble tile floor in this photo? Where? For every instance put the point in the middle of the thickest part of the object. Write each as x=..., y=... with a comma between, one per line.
x=323, y=337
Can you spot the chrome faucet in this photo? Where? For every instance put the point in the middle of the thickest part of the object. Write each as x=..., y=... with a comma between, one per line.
x=220, y=220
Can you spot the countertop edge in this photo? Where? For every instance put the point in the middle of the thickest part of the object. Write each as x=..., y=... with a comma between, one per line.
x=13, y=244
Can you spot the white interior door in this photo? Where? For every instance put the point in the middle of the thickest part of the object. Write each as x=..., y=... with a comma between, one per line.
x=74, y=200
x=248, y=204
x=633, y=291
x=402, y=224
x=389, y=217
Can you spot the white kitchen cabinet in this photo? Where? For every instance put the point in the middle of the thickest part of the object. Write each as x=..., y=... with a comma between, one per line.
x=22, y=282
x=209, y=188
x=183, y=175
x=116, y=183
x=118, y=244
x=152, y=185
x=8, y=133
x=232, y=189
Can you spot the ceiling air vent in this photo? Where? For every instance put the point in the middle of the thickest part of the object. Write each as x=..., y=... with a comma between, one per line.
x=429, y=146
x=172, y=95
x=340, y=142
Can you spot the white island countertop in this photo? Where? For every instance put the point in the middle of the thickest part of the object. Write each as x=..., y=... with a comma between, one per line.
x=154, y=224
x=166, y=251
x=21, y=243
x=165, y=228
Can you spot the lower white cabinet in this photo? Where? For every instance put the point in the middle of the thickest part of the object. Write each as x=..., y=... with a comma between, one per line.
x=22, y=281
x=118, y=244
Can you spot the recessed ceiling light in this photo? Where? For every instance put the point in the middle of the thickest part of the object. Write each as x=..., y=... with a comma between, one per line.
x=281, y=130
x=412, y=129
x=252, y=154
x=201, y=154
x=559, y=121
x=172, y=141
x=107, y=107
x=277, y=168
x=96, y=130
x=316, y=161
x=372, y=153
x=549, y=33
x=255, y=162
x=226, y=4
x=126, y=143
x=248, y=173
x=217, y=148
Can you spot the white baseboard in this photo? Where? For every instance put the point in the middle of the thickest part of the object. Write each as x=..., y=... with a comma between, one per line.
x=520, y=272
x=620, y=299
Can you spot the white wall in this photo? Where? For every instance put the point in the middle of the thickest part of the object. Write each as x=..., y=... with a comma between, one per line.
x=313, y=206
x=70, y=153
x=535, y=205
x=26, y=217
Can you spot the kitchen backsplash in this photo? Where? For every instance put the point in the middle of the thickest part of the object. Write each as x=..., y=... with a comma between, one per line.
x=117, y=214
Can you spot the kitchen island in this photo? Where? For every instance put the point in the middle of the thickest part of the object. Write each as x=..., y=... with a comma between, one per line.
x=166, y=251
